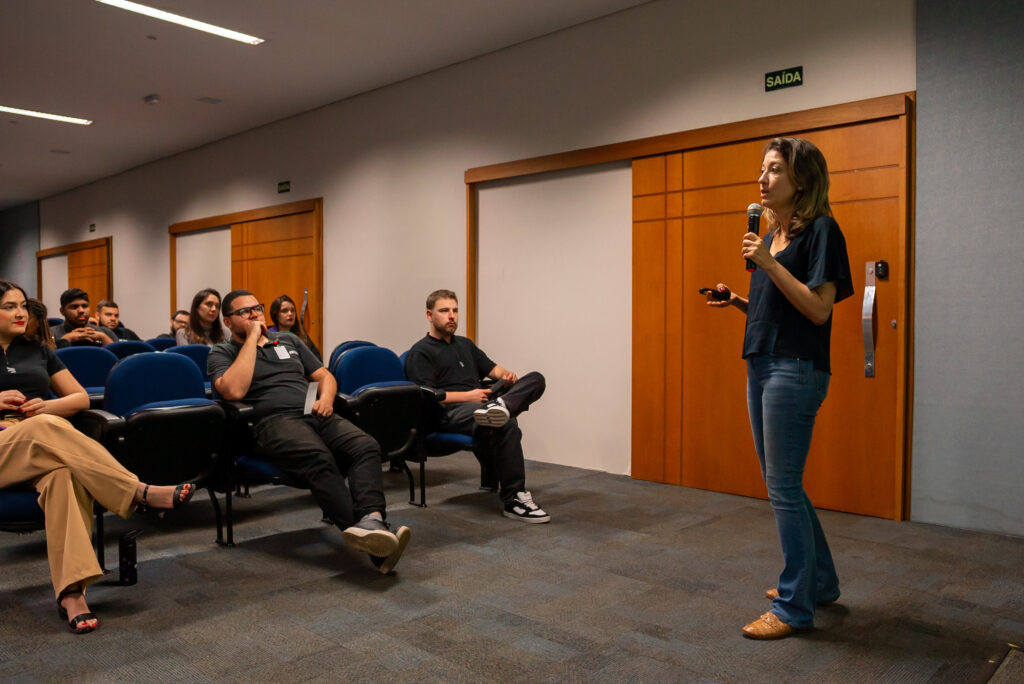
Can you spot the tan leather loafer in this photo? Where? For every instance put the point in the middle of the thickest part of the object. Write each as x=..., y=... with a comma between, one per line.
x=768, y=626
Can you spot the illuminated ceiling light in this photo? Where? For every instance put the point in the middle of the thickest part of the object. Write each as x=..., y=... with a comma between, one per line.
x=183, y=21
x=44, y=115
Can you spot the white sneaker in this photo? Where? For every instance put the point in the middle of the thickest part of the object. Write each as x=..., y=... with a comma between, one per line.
x=493, y=414
x=523, y=508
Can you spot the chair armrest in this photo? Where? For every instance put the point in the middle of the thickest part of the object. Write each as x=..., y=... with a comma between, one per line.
x=98, y=424
x=236, y=410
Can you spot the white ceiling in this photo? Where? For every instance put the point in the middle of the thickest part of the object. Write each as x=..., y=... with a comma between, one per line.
x=85, y=59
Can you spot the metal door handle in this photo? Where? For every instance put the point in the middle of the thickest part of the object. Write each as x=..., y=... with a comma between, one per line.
x=867, y=319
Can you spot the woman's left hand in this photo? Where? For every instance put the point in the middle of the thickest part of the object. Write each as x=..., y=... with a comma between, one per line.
x=33, y=407
x=755, y=250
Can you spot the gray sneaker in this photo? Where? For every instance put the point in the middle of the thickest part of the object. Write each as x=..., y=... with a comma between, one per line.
x=372, y=536
x=387, y=563
x=493, y=414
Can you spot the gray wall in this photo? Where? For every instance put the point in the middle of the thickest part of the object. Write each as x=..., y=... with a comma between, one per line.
x=968, y=468
x=19, y=235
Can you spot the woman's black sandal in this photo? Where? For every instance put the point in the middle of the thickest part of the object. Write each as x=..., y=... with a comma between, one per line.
x=177, y=500
x=73, y=623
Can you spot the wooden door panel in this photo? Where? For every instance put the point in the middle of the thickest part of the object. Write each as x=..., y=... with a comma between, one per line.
x=88, y=269
x=718, y=450
x=648, y=433
x=861, y=413
x=280, y=255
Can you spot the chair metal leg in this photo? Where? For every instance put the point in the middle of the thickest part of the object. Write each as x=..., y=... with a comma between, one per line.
x=98, y=540
x=217, y=516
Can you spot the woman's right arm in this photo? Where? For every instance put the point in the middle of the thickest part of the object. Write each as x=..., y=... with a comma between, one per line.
x=71, y=397
x=733, y=300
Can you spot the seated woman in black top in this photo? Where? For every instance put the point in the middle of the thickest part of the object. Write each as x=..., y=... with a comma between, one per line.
x=39, y=448
x=802, y=270
x=286, y=319
x=203, y=320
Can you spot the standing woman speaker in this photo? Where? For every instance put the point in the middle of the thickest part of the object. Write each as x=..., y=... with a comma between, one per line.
x=802, y=270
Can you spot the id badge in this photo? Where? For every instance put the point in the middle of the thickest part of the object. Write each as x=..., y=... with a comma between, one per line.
x=282, y=352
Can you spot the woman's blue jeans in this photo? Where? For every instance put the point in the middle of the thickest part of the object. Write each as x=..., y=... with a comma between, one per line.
x=783, y=396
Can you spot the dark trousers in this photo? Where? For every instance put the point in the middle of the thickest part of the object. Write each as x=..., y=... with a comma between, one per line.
x=320, y=453
x=499, y=450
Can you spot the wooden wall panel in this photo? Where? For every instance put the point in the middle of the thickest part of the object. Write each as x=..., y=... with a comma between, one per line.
x=280, y=255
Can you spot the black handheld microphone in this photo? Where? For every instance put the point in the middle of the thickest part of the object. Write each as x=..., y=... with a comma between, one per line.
x=753, y=225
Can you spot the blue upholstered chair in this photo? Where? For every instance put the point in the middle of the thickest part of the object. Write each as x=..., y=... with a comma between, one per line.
x=89, y=366
x=161, y=343
x=344, y=347
x=54, y=320
x=158, y=423
x=198, y=354
x=125, y=348
x=375, y=394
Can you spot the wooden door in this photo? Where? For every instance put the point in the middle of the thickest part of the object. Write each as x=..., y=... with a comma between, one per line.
x=89, y=268
x=281, y=255
x=857, y=460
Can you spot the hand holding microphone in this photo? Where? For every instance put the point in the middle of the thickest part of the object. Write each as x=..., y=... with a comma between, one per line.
x=754, y=211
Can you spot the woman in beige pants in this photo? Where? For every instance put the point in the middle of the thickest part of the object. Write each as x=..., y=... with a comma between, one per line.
x=38, y=447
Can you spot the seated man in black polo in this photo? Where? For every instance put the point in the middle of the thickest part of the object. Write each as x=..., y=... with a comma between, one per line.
x=108, y=314
x=272, y=372
x=76, y=330
x=444, y=360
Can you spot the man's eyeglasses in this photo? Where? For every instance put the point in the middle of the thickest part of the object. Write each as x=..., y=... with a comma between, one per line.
x=246, y=310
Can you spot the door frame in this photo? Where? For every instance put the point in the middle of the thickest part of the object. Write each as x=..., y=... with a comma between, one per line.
x=862, y=111
x=107, y=242
x=315, y=206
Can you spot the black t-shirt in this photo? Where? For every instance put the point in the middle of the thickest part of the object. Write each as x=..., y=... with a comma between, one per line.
x=457, y=365
x=62, y=329
x=774, y=326
x=27, y=367
x=124, y=333
x=279, y=384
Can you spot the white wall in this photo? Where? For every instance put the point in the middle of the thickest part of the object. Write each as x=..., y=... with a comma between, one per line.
x=204, y=260
x=389, y=164
x=55, y=281
x=556, y=297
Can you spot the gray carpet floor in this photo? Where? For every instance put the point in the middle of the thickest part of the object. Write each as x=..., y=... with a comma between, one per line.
x=631, y=581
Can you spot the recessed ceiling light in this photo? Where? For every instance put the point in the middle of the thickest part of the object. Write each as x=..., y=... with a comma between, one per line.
x=183, y=21
x=44, y=115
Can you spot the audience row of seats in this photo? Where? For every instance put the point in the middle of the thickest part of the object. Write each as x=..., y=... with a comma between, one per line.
x=152, y=412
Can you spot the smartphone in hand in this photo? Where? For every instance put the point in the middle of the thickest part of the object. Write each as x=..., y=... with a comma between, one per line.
x=716, y=294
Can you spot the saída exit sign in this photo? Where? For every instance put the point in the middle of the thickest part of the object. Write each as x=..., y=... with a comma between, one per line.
x=784, y=78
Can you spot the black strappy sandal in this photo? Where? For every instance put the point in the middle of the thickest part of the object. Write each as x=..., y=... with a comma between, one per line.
x=176, y=500
x=73, y=623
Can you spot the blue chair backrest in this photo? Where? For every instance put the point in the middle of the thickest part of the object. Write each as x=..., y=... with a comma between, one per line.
x=89, y=365
x=402, y=357
x=125, y=348
x=161, y=343
x=198, y=354
x=54, y=321
x=342, y=348
x=367, y=365
x=151, y=377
